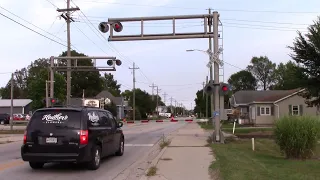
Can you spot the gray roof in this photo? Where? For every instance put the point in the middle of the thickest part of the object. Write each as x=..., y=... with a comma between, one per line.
x=76, y=101
x=245, y=97
x=106, y=94
x=16, y=102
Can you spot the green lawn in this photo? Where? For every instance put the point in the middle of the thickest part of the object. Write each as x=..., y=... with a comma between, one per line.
x=237, y=161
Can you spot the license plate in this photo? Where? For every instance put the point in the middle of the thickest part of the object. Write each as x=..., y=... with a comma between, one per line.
x=51, y=140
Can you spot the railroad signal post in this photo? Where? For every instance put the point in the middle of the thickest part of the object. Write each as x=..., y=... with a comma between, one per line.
x=56, y=65
x=210, y=20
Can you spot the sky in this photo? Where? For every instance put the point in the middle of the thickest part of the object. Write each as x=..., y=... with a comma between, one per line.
x=254, y=28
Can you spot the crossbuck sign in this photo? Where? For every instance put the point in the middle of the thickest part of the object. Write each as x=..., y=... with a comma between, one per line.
x=214, y=57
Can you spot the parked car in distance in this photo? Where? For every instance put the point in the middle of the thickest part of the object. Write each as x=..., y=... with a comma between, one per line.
x=4, y=118
x=18, y=117
x=71, y=134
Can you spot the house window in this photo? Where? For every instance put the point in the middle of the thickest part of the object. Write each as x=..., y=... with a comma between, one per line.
x=265, y=111
x=295, y=110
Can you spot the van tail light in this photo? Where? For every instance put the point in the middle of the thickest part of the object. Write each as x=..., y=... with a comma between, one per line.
x=84, y=137
x=25, y=137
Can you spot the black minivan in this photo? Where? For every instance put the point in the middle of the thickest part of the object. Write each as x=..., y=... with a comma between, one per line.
x=71, y=134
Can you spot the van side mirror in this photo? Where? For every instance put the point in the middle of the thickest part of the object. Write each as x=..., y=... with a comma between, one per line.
x=120, y=124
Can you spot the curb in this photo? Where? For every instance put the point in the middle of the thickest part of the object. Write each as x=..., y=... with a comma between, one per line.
x=159, y=120
x=156, y=160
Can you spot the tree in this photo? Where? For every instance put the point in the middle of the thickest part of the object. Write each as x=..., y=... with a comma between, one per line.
x=263, y=70
x=90, y=81
x=200, y=103
x=36, y=83
x=242, y=80
x=20, y=86
x=110, y=84
x=306, y=52
x=143, y=101
x=288, y=76
x=112, y=108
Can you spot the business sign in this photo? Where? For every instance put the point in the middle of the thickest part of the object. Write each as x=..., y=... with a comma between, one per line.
x=91, y=102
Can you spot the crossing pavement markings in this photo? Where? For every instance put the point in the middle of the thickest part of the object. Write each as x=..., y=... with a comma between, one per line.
x=11, y=165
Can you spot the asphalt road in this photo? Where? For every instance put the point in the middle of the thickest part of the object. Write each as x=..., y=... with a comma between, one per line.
x=140, y=149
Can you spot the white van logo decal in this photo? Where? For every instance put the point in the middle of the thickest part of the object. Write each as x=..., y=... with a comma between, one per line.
x=57, y=118
x=93, y=117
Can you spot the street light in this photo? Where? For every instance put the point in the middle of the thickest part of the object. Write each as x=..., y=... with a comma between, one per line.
x=213, y=57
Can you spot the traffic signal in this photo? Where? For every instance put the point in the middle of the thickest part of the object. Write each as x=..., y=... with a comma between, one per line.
x=118, y=62
x=117, y=26
x=110, y=62
x=224, y=88
x=53, y=101
x=104, y=27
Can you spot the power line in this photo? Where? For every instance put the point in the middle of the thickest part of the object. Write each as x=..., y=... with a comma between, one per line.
x=216, y=9
x=172, y=84
x=52, y=4
x=32, y=30
x=32, y=24
x=112, y=48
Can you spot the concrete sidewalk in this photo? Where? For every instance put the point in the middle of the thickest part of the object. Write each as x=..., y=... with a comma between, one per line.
x=186, y=158
x=7, y=138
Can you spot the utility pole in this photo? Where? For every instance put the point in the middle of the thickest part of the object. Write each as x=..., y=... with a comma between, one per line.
x=175, y=107
x=164, y=97
x=207, y=99
x=11, y=107
x=171, y=108
x=68, y=18
x=152, y=86
x=203, y=85
x=47, y=94
x=134, y=91
x=157, y=99
x=211, y=70
x=216, y=76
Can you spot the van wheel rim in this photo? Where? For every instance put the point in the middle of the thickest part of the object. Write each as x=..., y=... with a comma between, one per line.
x=122, y=146
x=2, y=122
x=97, y=157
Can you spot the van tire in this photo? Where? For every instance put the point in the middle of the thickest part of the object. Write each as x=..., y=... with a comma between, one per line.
x=36, y=165
x=120, y=150
x=95, y=161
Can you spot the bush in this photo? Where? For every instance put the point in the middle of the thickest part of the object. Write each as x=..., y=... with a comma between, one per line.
x=297, y=136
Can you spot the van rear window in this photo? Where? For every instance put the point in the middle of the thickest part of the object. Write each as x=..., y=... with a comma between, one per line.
x=56, y=118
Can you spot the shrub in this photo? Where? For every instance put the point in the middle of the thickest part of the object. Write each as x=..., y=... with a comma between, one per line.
x=297, y=136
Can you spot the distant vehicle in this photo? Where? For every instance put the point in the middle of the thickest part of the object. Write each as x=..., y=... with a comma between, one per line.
x=64, y=134
x=18, y=117
x=4, y=118
x=27, y=117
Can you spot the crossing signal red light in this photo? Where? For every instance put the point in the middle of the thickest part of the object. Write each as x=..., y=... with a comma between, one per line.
x=224, y=88
x=117, y=26
x=118, y=62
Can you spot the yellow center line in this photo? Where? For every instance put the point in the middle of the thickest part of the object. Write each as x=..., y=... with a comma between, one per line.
x=11, y=165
